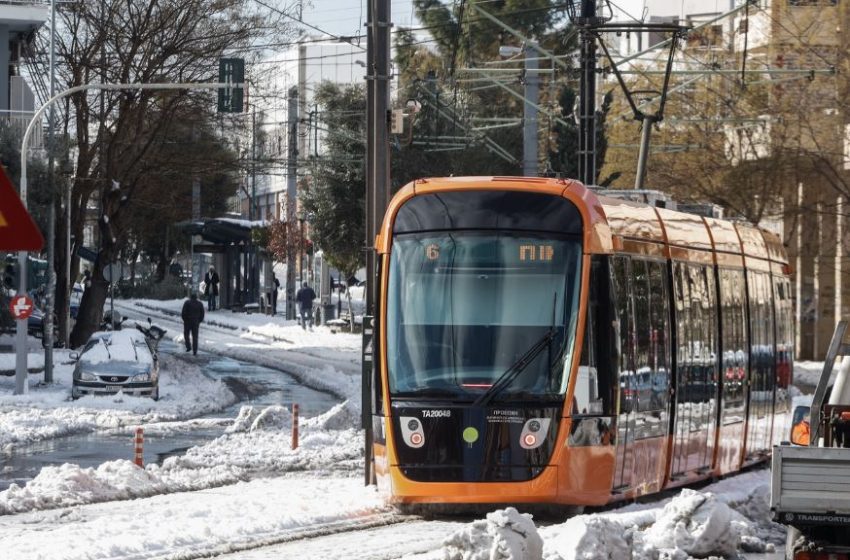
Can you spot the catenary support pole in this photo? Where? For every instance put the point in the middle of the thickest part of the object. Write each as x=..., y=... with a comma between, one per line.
x=291, y=194
x=529, y=129
x=21, y=325
x=587, y=95
x=377, y=187
x=50, y=295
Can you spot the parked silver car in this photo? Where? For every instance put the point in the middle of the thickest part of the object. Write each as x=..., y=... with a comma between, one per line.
x=122, y=360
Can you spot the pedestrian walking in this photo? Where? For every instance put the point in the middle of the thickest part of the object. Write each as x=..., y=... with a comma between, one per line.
x=274, y=295
x=193, y=316
x=211, y=281
x=305, y=297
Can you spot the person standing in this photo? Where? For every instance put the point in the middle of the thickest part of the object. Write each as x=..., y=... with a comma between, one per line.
x=274, y=295
x=211, y=281
x=305, y=297
x=193, y=316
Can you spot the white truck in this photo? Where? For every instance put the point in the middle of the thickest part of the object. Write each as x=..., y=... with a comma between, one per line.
x=810, y=487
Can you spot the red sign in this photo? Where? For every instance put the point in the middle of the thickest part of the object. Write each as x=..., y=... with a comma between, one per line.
x=21, y=307
x=17, y=230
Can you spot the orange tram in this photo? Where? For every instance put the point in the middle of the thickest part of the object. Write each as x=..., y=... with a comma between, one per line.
x=538, y=343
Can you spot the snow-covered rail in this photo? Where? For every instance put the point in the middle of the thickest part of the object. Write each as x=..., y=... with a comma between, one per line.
x=299, y=538
x=385, y=542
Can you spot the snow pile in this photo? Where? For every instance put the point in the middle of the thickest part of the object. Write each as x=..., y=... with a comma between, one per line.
x=35, y=362
x=69, y=485
x=695, y=524
x=342, y=416
x=583, y=537
x=692, y=524
x=251, y=419
x=505, y=534
x=259, y=440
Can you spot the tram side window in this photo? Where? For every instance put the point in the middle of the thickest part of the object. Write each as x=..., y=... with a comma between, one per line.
x=784, y=330
x=626, y=371
x=642, y=389
x=597, y=368
x=761, y=345
x=696, y=308
x=735, y=353
x=659, y=322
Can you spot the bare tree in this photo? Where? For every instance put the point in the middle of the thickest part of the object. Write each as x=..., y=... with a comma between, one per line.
x=118, y=134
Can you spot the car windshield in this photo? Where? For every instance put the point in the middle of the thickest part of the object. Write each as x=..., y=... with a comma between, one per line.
x=116, y=368
x=463, y=307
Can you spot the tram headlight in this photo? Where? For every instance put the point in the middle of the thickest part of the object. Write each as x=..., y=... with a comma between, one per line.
x=412, y=432
x=533, y=433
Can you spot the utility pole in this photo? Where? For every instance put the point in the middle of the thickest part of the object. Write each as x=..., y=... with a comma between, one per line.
x=253, y=196
x=529, y=129
x=587, y=96
x=50, y=303
x=196, y=215
x=377, y=190
x=291, y=193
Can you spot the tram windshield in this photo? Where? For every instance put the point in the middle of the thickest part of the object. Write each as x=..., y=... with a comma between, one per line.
x=465, y=307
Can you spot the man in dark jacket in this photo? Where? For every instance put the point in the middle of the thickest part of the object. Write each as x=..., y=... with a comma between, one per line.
x=275, y=288
x=193, y=316
x=305, y=297
x=211, y=282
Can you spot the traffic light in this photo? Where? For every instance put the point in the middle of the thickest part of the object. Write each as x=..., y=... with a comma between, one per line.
x=10, y=276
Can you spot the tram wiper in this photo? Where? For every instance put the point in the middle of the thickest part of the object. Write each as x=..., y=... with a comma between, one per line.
x=508, y=376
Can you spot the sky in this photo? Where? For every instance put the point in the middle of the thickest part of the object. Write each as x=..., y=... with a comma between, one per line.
x=347, y=17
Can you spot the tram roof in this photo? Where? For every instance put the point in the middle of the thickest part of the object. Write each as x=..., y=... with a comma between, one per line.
x=642, y=222
x=626, y=219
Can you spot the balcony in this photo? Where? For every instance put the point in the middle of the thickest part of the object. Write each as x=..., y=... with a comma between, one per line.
x=23, y=16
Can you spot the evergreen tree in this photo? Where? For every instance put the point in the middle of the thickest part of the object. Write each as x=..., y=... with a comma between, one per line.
x=335, y=200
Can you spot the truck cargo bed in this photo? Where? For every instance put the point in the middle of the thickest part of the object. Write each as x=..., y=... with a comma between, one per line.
x=811, y=485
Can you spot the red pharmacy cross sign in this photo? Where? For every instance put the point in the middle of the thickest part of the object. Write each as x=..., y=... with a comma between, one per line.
x=21, y=307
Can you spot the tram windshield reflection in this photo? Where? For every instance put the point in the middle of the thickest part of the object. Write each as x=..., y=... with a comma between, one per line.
x=464, y=306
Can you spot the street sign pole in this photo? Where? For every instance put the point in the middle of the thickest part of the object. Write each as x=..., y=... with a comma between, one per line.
x=21, y=385
x=21, y=324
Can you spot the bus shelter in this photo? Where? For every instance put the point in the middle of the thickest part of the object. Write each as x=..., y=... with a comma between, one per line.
x=244, y=270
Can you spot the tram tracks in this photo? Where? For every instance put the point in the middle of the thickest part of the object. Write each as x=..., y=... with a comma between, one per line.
x=295, y=536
